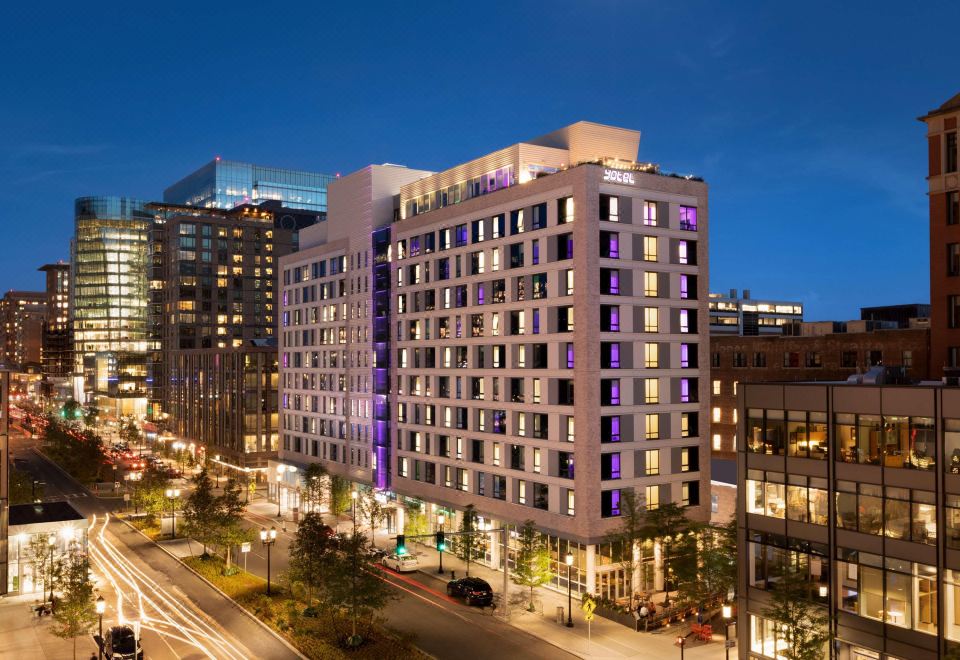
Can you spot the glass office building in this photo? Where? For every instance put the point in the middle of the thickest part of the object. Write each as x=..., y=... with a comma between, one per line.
x=224, y=184
x=109, y=297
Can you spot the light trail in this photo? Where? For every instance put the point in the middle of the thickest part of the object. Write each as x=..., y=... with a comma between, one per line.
x=155, y=608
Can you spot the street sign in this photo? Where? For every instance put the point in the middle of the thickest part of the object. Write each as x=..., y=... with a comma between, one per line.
x=588, y=606
x=245, y=546
x=126, y=497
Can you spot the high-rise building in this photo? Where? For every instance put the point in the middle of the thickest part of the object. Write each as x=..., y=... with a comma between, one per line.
x=22, y=314
x=213, y=280
x=224, y=184
x=109, y=303
x=871, y=521
x=746, y=316
x=57, y=339
x=943, y=184
x=529, y=336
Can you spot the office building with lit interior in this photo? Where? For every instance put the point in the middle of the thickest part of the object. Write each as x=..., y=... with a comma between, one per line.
x=526, y=332
x=109, y=303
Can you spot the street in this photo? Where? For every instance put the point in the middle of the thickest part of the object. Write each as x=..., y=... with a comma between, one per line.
x=141, y=582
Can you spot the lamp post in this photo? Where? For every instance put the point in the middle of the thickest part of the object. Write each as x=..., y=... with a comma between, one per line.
x=101, y=608
x=440, y=521
x=353, y=543
x=727, y=613
x=268, y=539
x=569, y=560
x=681, y=641
x=172, y=495
x=217, y=459
x=51, y=540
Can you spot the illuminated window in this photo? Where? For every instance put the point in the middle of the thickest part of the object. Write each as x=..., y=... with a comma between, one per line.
x=649, y=248
x=651, y=355
x=716, y=442
x=652, y=427
x=716, y=388
x=651, y=390
x=651, y=319
x=652, y=462
x=716, y=414
x=650, y=284
x=652, y=494
x=650, y=214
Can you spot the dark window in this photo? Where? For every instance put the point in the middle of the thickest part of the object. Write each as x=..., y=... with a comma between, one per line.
x=541, y=496
x=460, y=236
x=610, y=355
x=610, y=318
x=715, y=360
x=950, y=152
x=565, y=319
x=497, y=227
x=610, y=503
x=610, y=466
x=539, y=219
x=953, y=208
x=516, y=457
x=610, y=281
x=874, y=358
x=565, y=392
x=739, y=359
x=516, y=222
x=609, y=208
x=760, y=360
x=791, y=359
x=476, y=451
x=814, y=359
x=610, y=428
x=610, y=244
x=690, y=495
x=499, y=487
x=953, y=259
x=610, y=392
x=516, y=255
x=564, y=247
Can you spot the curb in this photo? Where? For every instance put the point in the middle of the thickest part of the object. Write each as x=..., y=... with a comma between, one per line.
x=247, y=612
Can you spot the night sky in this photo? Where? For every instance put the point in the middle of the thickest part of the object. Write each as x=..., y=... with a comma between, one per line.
x=801, y=116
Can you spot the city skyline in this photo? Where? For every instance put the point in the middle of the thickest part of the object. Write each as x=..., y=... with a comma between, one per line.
x=786, y=133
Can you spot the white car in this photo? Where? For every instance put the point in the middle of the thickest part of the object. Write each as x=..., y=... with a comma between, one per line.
x=401, y=563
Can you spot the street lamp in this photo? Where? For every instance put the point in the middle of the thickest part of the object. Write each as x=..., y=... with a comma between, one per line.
x=727, y=613
x=353, y=506
x=440, y=521
x=268, y=539
x=101, y=608
x=681, y=641
x=217, y=460
x=51, y=540
x=172, y=495
x=569, y=560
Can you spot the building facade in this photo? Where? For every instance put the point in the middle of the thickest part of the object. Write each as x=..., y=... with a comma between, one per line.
x=872, y=521
x=108, y=303
x=226, y=398
x=57, y=335
x=943, y=185
x=733, y=315
x=842, y=350
x=225, y=184
x=904, y=316
x=23, y=314
x=538, y=344
x=212, y=279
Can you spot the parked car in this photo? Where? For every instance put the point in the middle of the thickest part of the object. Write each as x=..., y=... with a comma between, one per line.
x=401, y=563
x=120, y=643
x=473, y=590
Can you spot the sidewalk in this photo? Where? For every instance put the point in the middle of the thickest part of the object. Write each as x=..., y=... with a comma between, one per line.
x=607, y=638
x=23, y=635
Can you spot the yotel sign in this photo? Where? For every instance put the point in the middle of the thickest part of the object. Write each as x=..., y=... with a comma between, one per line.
x=618, y=176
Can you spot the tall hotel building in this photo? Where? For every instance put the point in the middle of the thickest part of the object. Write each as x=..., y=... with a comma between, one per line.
x=524, y=332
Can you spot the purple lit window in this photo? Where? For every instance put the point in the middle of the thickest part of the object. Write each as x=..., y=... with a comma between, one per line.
x=615, y=319
x=286, y=400
x=684, y=320
x=499, y=421
x=685, y=390
x=414, y=246
x=684, y=292
x=569, y=355
x=615, y=429
x=286, y=298
x=614, y=356
x=682, y=254
x=614, y=246
x=615, y=392
x=536, y=321
x=615, y=503
x=536, y=252
x=684, y=355
x=688, y=218
x=286, y=360
x=615, y=281
x=480, y=294
x=615, y=466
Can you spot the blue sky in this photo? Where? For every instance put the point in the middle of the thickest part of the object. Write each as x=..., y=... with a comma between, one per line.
x=801, y=116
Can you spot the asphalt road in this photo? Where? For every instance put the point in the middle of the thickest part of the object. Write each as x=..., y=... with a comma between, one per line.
x=182, y=617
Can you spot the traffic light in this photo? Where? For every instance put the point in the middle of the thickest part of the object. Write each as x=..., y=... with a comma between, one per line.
x=401, y=544
x=441, y=543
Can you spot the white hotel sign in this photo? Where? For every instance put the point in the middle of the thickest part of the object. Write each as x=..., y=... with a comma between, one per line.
x=619, y=176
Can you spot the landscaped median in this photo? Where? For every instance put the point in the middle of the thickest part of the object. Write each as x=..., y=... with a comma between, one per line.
x=315, y=633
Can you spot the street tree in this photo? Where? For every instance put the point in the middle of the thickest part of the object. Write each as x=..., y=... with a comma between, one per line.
x=229, y=530
x=669, y=526
x=149, y=491
x=201, y=511
x=24, y=488
x=802, y=628
x=415, y=522
x=467, y=543
x=312, y=554
x=129, y=432
x=370, y=509
x=314, y=480
x=627, y=536
x=713, y=573
x=533, y=560
x=47, y=567
x=354, y=584
x=75, y=612
x=338, y=495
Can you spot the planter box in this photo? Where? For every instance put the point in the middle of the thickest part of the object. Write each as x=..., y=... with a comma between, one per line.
x=624, y=619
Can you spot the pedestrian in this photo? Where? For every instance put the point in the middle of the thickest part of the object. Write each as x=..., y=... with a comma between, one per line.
x=453, y=575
